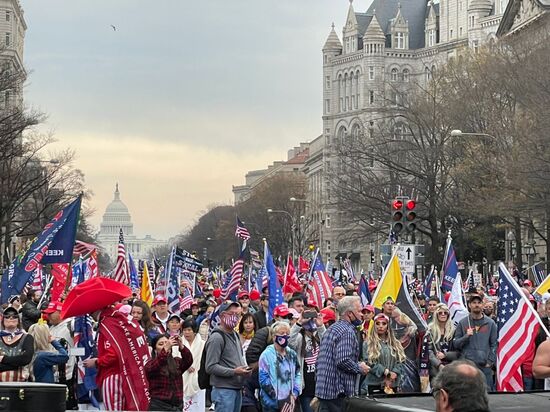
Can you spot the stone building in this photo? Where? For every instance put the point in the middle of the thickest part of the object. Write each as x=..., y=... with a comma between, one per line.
x=393, y=41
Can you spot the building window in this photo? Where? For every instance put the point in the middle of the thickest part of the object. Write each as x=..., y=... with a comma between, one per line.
x=327, y=106
x=451, y=34
x=326, y=59
x=327, y=244
x=431, y=38
x=427, y=74
x=8, y=39
x=400, y=40
x=393, y=75
x=371, y=97
x=460, y=31
x=406, y=75
x=371, y=72
x=327, y=82
x=327, y=221
x=8, y=17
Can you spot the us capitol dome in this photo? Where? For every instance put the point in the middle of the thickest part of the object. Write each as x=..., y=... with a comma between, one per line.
x=117, y=216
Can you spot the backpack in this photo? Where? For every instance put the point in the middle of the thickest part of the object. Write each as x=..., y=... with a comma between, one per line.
x=203, y=377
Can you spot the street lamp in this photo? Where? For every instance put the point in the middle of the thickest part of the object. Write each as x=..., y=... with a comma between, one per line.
x=293, y=225
x=460, y=133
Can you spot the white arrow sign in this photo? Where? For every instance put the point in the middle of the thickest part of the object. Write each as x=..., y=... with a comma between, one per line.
x=405, y=254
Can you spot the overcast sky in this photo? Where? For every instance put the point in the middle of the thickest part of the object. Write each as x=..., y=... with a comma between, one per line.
x=182, y=99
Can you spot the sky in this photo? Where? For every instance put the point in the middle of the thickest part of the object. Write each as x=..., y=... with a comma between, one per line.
x=181, y=98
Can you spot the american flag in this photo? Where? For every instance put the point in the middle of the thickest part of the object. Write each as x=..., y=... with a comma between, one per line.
x=121, y=268
x=241, y=231
x=92, y=265
x=319, y=283
x=312, y=358
x=518, y=326
x=234, y=277
x=186, y=300
x=82, y=248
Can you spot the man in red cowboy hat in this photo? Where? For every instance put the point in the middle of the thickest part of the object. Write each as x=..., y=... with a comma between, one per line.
x=121, y=345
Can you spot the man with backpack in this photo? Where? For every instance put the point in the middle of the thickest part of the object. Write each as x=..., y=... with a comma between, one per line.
x=225, y=362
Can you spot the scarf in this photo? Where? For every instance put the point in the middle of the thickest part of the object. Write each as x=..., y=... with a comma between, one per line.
x=132, y=351
x=248, y=335
x=12, y=335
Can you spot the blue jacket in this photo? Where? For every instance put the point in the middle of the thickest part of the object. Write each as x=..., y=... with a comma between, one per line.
x=279, y=376
x=44, y=362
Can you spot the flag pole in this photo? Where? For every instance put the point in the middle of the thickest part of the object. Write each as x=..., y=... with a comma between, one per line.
x=46, y=290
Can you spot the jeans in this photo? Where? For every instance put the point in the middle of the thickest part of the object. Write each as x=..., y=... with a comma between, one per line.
x=304, y=403
x=227, y=400
x=331, y=405
x=488, y=372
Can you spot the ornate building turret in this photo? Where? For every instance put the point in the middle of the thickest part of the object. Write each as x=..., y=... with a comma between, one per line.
x=350, y=32
x=116, y=216
x=399, y=31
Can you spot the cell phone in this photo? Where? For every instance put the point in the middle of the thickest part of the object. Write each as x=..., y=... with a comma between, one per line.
x=310, y=315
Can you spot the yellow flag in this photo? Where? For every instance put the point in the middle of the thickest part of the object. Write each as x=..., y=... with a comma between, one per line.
x=389, y=285
x=146, y=292
x=544, y=286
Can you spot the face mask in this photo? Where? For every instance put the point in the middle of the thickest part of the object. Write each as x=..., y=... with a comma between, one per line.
x=310, y=325
x=356, y=322
x=230, y=321
x=282, y=340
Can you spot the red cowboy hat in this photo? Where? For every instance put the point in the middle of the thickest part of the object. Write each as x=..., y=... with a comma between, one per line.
x=92, y=295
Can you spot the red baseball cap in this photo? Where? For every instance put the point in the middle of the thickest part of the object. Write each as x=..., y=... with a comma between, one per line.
x=527, y=282
x=158, y=299
x=370, y=308
x=281, y=310
x=243, y=294
x=254, y=295
x=53, y=306
x=328, y=315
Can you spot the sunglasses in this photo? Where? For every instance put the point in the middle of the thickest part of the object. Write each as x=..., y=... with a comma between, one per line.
x=443, y=313
x=11, y=316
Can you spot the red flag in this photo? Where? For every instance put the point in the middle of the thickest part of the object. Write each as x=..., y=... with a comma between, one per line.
x=291, y=283
x=59, y=271
x=303, y=265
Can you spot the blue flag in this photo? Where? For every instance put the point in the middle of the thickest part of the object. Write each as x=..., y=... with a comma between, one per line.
x=364, y=292
x=450, y=268
x=428, y=282
x=275, y=292
x=54, y=245
x=134, y=283
x=84, y=339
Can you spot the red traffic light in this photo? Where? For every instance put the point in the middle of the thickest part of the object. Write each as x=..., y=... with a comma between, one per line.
x=411, y=204
x=397, y=204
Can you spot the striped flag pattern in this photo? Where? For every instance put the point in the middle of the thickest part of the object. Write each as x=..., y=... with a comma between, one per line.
x=319, y=283
x=235, y=276
x=82, y=248
x=518, y=326
x=186, y=300
x=37, y=282
x=146, y=293
x=241, y=231
x=121, y=268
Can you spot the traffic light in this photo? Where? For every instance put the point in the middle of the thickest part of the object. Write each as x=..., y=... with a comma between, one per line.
x=410, y=215
x=397, y=216
x=372, y=256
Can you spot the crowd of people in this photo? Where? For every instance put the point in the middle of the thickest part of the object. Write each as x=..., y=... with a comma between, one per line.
x=237, y=356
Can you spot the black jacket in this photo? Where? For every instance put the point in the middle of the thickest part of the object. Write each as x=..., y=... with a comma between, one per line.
x=30, y=314
x=260, y=318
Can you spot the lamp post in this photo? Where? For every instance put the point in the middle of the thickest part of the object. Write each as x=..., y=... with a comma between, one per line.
x=320, y=220
x=293, y=228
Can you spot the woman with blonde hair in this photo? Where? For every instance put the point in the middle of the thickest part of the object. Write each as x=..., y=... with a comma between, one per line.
x=48, y=352
x=385, y=355
x=440, y=337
